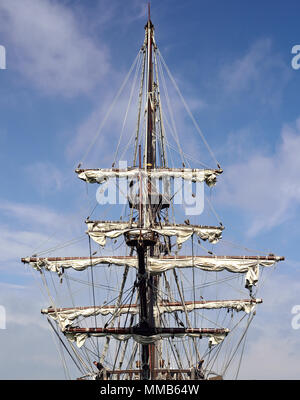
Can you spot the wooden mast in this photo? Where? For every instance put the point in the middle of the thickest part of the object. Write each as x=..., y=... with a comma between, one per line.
x=151, y=164
x=151, y=156
x=144, y=282
x=142, y=286
x=147, y=286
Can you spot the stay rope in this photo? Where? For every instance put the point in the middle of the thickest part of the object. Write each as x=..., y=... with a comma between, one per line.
x=188, y=109
x=110, y=109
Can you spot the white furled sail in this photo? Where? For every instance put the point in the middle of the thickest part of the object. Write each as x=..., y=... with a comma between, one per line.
x=216, y=336
x=237, y=264
x=65, y=316
x=100, y=230
x=101, y=175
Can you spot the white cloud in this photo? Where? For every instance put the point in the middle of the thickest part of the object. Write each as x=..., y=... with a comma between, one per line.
x=47, y=178
x=36, y=214
x=244, y=71
x=12, y=286
x=106, y=142
x=266, y=186
x=261, y=72
x=16, y=244
x=26, y=341
x=271, y=357
x=33, y=228
x=105, y=145
x=98, y=135
x=47, y=46
x=272, y=351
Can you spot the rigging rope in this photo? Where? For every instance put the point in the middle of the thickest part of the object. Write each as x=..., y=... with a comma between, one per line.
x=67, y=350
x=170, y=110
x=251, y=316
x=187, y=109
x=93, y=288
x=62, y=356
x=241, y=357
x=110, y=109
x=139, y=110
x=164, y=160
x=138, y=64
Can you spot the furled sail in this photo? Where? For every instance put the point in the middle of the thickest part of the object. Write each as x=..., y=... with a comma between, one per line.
x=194, y=175
x=79, y=335
x=100, y=230
x=65, y=316
x=237, y=264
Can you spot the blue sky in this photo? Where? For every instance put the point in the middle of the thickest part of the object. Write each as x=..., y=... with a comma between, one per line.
x=65, y=62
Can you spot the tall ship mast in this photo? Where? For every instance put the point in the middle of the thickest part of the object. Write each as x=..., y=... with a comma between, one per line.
x=154, y=322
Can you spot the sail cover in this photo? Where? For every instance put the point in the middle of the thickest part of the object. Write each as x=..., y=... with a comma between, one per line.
x=80, y=338
x=194, y=175
x=248, y=265
x=100, y=230
x=65, y=317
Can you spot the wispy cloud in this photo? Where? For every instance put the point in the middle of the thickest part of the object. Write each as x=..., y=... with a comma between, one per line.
x=266, y=185
x=271, y=337
x=15, y=244
x=33, y=228
x=47, y=177
x=260, y=72
x=105, y=138
x=49, y=48
x=36, y=214
x=27, y=336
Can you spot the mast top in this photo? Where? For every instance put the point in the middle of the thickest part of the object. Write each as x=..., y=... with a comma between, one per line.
x=149, y=22
x=148, y=11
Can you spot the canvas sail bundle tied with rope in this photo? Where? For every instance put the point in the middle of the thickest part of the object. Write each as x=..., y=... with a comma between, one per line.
x=66, y=316
x=208, y=176
x=249, y=265
x=100, y=230
x=151, y=312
